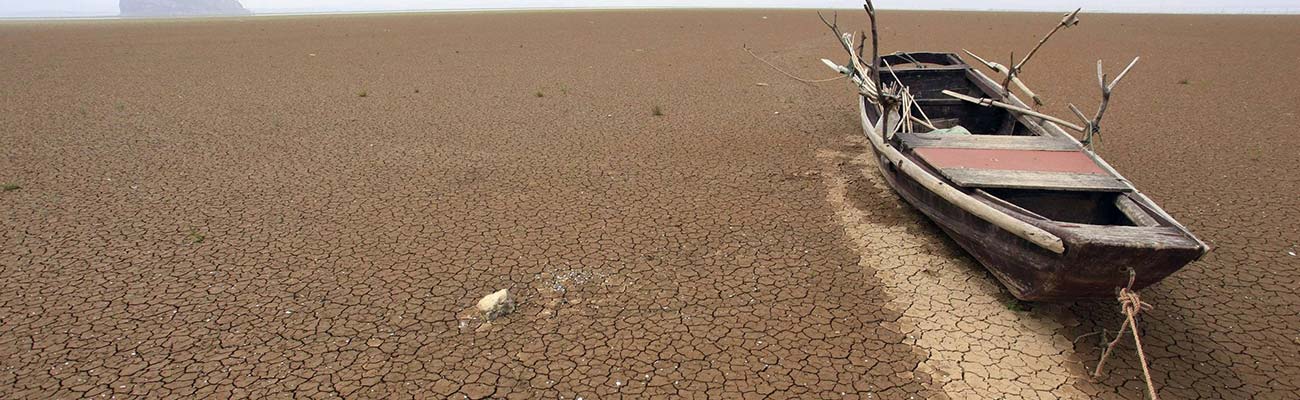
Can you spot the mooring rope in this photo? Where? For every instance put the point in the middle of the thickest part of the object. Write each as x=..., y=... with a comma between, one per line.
x=778, y=69
x=1131, y=305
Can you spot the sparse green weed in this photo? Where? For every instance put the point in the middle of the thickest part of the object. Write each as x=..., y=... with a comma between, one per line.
x=1018, y=305
x=195, y=236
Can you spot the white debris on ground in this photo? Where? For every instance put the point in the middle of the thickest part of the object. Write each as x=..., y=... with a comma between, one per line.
x=496, y=305
x=555, y=285
x=561, y=281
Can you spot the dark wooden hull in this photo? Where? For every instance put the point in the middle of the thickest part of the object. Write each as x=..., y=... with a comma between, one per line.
x=1070, y=228
x=1097, y=259
x=1094, y=265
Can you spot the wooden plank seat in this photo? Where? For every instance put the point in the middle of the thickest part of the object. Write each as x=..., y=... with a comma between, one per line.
x=1018, y=168
x=1049, y=143
x=1008, y=179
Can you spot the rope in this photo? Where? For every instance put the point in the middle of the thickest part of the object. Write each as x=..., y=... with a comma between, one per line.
x=1131, y=305
x=778, y=69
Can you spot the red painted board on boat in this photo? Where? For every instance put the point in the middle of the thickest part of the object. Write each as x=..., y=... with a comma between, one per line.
x=1015, y=160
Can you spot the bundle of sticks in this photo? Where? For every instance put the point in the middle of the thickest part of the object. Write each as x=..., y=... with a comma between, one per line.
x=896, y=97
x=884, y=97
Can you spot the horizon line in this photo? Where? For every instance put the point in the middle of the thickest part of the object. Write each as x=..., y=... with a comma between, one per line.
x=273, y=12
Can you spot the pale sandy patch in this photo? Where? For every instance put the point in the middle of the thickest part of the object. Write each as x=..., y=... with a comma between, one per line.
x=951, y=309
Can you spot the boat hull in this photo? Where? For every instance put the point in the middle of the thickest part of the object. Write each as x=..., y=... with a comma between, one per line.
x=1035, y=257
x=1093, y=266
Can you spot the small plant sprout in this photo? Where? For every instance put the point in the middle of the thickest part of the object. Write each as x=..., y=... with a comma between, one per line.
x=539, y=94
x=10, y=186
x=363, y=94
x=1018, y=305
x=195, y=236
x=657, y=111
x=1185, y=81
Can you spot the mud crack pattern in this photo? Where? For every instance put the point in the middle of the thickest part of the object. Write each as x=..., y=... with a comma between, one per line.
x=976, y=347
x=272, y=206
x=232, y=231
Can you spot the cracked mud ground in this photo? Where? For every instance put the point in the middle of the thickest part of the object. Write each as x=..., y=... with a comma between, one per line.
x=310, y=205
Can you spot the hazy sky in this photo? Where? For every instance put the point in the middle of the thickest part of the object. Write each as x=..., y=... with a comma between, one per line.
x=32, y=8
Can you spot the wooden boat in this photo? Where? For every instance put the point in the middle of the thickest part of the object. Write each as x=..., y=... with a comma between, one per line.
x=1047, y=216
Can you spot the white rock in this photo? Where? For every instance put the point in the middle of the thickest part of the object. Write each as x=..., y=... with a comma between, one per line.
x=496, y=305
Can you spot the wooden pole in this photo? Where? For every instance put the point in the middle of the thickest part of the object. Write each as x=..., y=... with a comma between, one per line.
x=1002, y=69
x=1069, y=20
x=875, y=44
x=911, y=100
x=1022, y=110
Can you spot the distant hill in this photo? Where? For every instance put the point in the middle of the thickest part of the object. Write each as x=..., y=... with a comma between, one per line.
x=181, y=8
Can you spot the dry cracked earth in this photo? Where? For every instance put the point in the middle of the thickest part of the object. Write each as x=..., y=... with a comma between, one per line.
x=310, y=206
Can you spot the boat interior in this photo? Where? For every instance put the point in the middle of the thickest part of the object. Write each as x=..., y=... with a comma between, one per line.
x=1017, y=165
x=927, y=75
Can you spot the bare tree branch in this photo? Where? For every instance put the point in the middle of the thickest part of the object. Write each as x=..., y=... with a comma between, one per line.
x=1094, y=125
x=1070, y=19
x=875, y=45
x=1112, y=84
x=1002, y=69
x=994, y=103
x=1079, y=114
x=835, y=28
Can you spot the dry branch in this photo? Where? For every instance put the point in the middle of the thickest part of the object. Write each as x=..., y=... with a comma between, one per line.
x=1070, y=19
x=885, y=99
x=1012, y=74
x=1002, y=69
x=854, y=68
x=1022, y=110
x=1094, y=124
x=835, y=28
x=1067, y=21
x=910, y=99
x=875, y=43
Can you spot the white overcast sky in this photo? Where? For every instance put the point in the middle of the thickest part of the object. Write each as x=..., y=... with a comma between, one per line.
x=36, y=8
